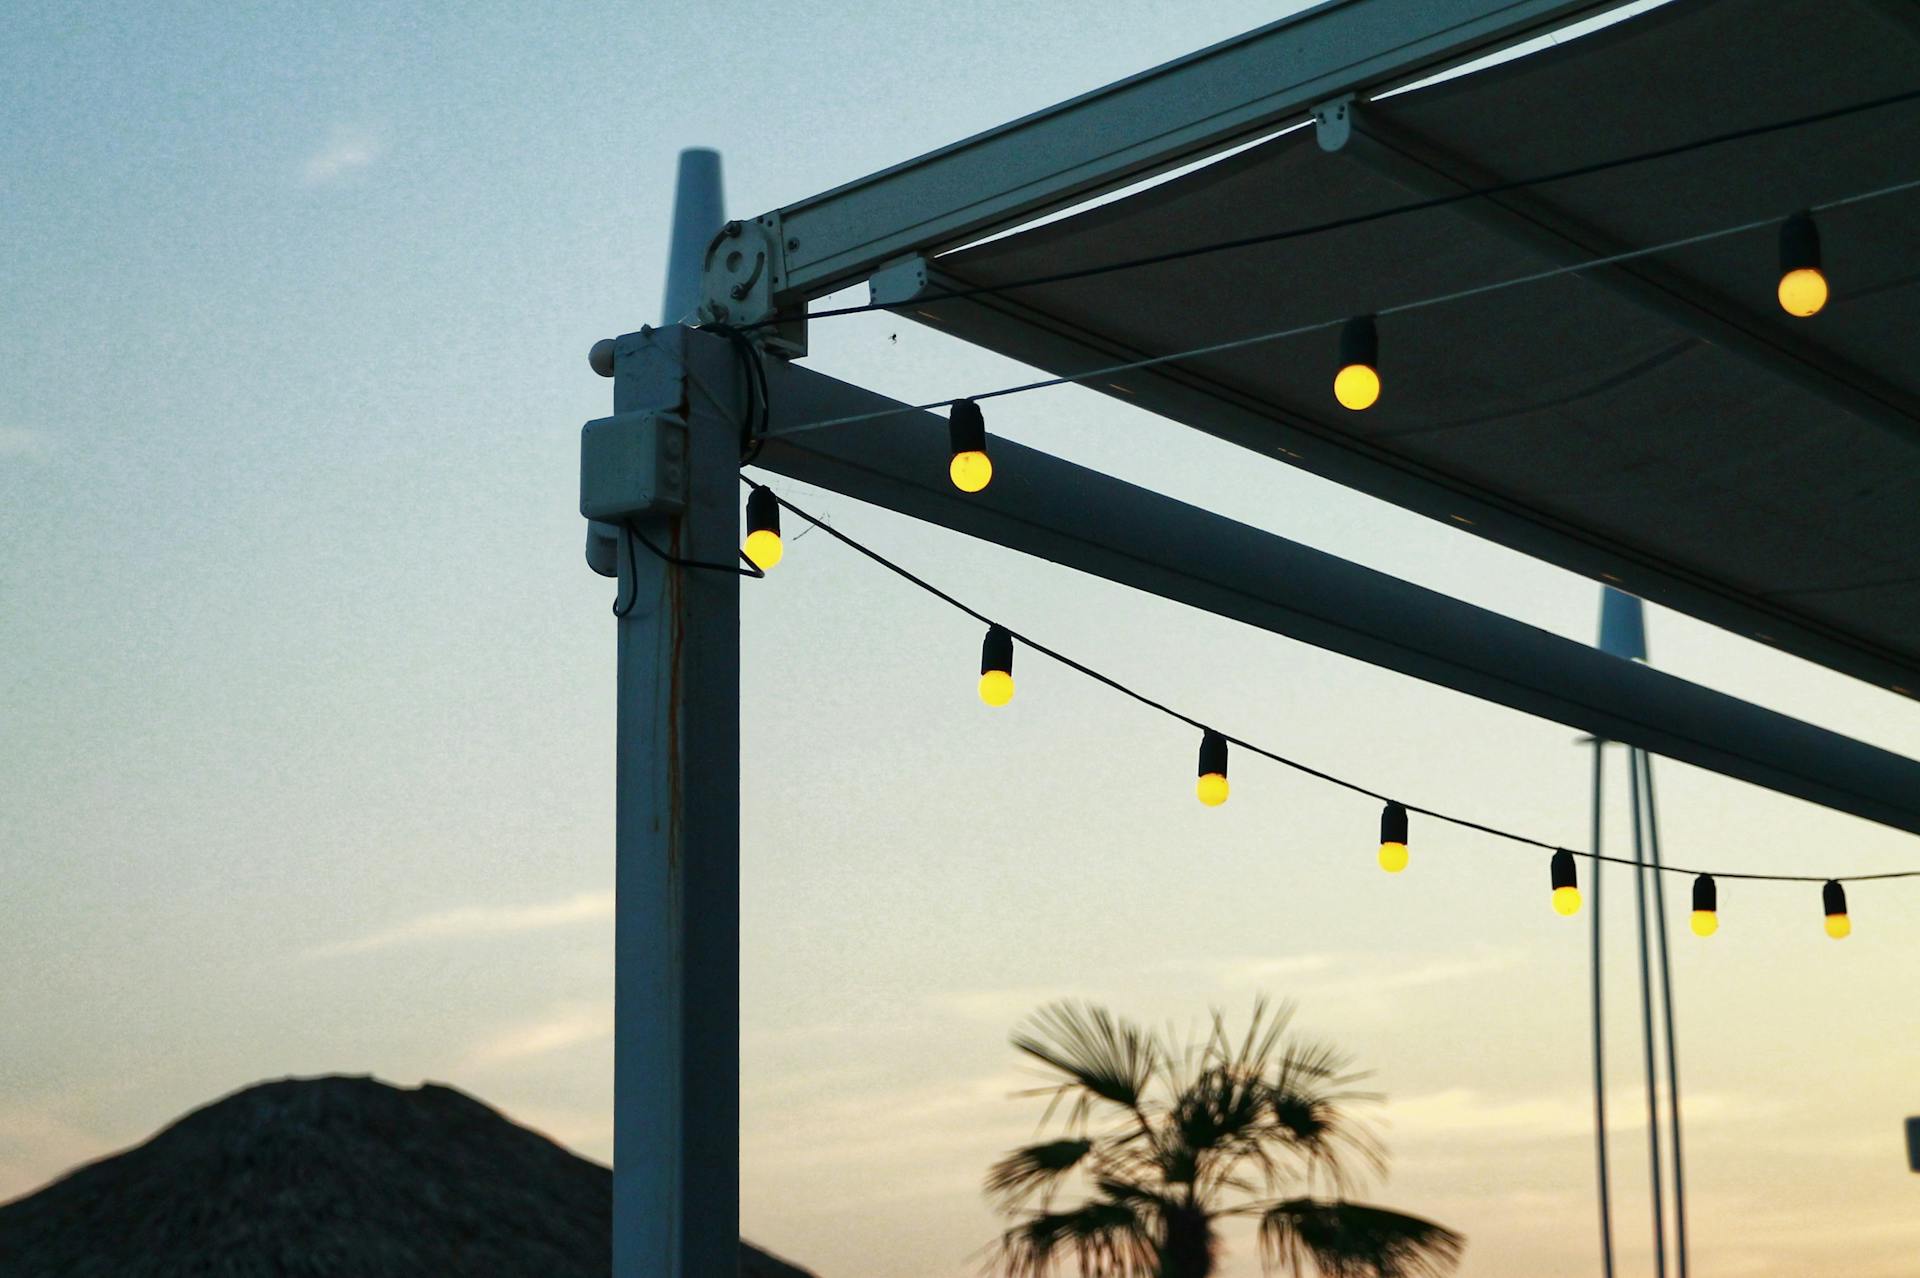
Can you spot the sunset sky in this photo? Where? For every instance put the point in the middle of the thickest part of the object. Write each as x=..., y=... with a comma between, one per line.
x=306, y=692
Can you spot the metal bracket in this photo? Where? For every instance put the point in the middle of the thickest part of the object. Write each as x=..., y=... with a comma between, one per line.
x=1333, y=122
x=745, y=280
x=899, y=282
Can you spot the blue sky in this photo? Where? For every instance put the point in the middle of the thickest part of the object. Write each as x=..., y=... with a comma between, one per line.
x=306, y=694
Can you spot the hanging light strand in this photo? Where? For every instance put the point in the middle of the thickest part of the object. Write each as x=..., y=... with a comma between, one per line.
x=1319, y=326
x=1296, y=765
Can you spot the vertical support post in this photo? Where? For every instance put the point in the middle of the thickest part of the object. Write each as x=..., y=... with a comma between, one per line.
x=1640, y=874
x=676, y=1135
x=1599, y=1025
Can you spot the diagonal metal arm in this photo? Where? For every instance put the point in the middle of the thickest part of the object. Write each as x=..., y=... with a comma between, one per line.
x=1055, y=510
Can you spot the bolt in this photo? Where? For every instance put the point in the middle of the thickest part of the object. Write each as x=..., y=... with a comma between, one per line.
x=733, y=230
x=738, y=291
x=792, y=245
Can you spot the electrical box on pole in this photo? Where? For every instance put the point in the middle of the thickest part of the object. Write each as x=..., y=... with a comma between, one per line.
x=633, y=465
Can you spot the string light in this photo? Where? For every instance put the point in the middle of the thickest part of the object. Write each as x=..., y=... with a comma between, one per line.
x=996, y=666
x=763, y=546
x=1566, y=884
x=1706, y=906
x=1212, y=785
x=1839, y=926
x=971, y=469
x=1393, y=838
x=1108, y=371
x=1357, y=384
x=1803, y=289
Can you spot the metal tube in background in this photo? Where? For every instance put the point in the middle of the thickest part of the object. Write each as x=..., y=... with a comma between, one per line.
x=676, y=1133
x=1666, y=1000
x=1640, y=873
x=699, y=209
x=1599, y=1032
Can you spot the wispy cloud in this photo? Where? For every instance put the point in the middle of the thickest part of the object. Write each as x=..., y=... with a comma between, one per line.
x=1324, y=973
x=1467, y=1114
x=345, y=151
x=569, y=1025
x=18, y=441
x=477, y=920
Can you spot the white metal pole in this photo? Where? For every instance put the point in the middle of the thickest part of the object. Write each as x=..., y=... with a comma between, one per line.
x=677, y=881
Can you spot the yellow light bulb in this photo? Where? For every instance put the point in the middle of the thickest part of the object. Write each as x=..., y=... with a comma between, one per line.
x=764, y=548
x=1393, y=857
x=970, y=471
x=996, y=687
x=1803, y=292
x=1705, y=922
x=1356, y=386
x=1212, y=788
x=1566, y=901
x=1839, y=926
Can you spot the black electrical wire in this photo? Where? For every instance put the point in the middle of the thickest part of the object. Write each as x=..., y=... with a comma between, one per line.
x=633, y=534
x=1361, y=219
x=1165, y=709
x=1397, y=308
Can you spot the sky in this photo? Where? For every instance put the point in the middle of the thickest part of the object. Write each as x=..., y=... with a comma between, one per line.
x=306, y=693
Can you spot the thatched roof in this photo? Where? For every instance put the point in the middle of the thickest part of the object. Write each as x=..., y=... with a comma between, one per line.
x=324, y=1178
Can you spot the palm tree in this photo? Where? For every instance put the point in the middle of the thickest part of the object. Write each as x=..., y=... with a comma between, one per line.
x=1163, y=1144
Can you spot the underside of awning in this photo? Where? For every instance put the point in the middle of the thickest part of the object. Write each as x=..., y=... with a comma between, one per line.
x=1660, y=424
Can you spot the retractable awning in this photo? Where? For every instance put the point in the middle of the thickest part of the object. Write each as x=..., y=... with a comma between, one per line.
x=1660, y=424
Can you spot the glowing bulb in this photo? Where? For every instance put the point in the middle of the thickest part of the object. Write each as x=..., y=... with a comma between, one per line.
x=996, y=666
x=1706, y=906
x=970, y=469
x=1357, y=384
x=1566, y=884
x=1803, y=292
x=763, y=529
x=1211, y=788
x=1803, y=289
x=1834, y=898
x=1356, y=387
x=764, y=548
x=1393, y=838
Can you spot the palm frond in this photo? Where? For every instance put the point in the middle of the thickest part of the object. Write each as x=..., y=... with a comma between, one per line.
x=1106, y=1239
x=1354, y=1240
x=1310, y=1097
x=1035, y=1169
x=1099, y=1054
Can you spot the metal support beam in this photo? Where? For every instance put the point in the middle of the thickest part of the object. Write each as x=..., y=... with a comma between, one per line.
x=1055, y=510
x=1529, y=219
x=676, y=1135
x=1292, y=435
x=1130, y=130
